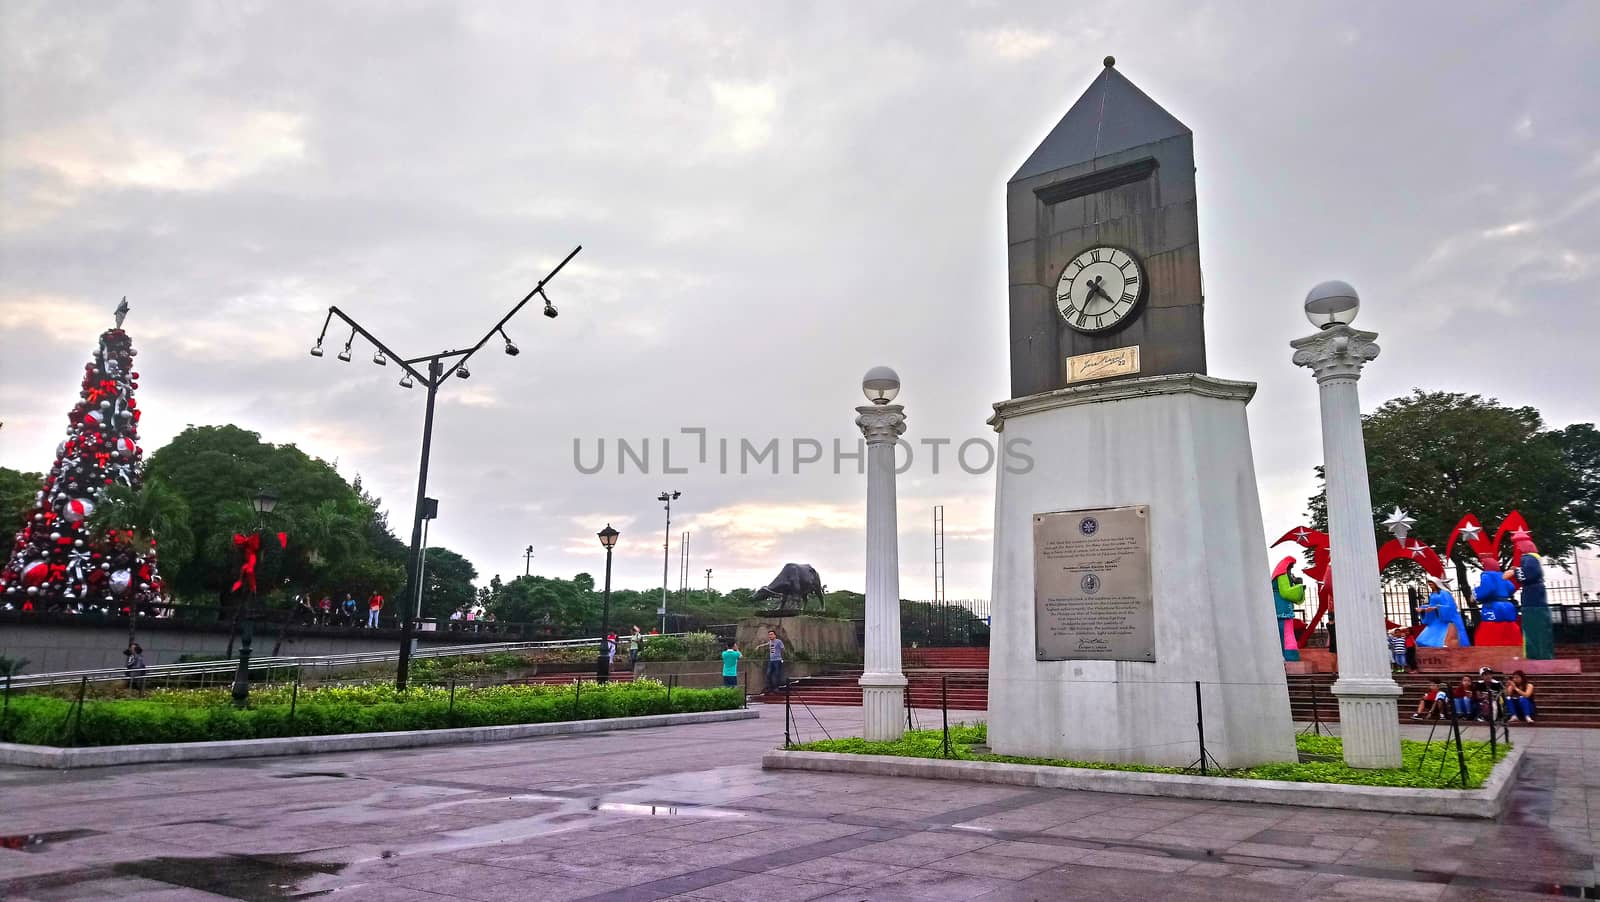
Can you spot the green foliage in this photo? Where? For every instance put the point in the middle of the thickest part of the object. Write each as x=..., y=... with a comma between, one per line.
x=1426, y=766
x=1440, y=455
x=206, y=715
x=664, y=648
x=17, y=491
x=447, y=583
x=156, y=511
x=12, y=666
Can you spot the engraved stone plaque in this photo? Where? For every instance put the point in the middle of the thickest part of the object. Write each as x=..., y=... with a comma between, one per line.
x=1103, y=364
x=1091, y=585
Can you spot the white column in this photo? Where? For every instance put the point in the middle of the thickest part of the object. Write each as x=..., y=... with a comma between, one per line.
x=883, y=686
x=1366, y=691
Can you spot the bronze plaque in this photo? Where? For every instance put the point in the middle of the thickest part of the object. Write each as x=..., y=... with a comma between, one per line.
x=1092, y=597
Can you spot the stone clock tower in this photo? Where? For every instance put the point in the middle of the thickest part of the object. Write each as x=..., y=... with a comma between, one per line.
x=1129, y=561
x=1116, y=173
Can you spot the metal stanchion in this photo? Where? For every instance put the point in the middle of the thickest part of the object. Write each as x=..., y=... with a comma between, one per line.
x=77, y=723
x=788, y=717
x=294, y=695
x=944, y=707
x=450, y=712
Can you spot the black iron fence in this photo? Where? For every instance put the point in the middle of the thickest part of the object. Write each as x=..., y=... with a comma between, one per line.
x=1400, y=603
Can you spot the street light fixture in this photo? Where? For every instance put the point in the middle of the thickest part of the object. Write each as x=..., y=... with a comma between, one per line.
x=602, y=667
x=263, y=503
x=438, y=365
x=666, y=555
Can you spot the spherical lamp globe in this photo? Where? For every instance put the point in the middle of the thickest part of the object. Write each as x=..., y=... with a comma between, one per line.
x=1332, y=303
x=880, y=385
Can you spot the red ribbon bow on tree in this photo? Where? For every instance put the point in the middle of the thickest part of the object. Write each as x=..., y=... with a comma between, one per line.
x=252, y=552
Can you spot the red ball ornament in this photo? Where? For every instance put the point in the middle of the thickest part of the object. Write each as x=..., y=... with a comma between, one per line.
x=34, y=573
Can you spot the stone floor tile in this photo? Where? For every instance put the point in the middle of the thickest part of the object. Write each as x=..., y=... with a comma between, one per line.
x=767, y=888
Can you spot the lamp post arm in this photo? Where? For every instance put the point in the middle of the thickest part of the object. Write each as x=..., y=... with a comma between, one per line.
x=361, y=330
x=520, y=304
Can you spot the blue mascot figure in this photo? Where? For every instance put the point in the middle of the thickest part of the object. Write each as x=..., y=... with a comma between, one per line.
x=1442, y=626
x=1498, y=615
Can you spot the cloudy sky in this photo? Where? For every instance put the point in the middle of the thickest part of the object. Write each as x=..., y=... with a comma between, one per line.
x=770, y=198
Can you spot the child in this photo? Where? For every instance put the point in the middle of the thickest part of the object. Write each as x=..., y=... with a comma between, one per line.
x=1432, y=702
x=1461, y=697
x=1397, y=648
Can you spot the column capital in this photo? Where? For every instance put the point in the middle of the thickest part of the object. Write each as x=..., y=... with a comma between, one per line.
x=1336, y=352
x=881, y=423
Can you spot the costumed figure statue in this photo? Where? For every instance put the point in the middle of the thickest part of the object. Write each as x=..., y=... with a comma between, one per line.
x=1287, y=592
x=1442, y=626
x=1315, y=541
x=1497, y=614
x=1539, y=642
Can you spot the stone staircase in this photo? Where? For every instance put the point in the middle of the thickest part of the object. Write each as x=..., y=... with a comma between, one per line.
x=929, y=671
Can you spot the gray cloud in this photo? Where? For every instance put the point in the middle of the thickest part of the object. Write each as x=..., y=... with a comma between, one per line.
x=771, y=200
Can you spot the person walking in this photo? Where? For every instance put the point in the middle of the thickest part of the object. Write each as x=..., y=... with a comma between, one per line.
x=774, y=647
x=635, y=646
x=374, y=609
x=730, y=664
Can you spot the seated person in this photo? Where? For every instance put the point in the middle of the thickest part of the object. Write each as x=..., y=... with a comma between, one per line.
x=1486, y=693
x=1519, y=697
x=1432, y=702
x=1461, y=697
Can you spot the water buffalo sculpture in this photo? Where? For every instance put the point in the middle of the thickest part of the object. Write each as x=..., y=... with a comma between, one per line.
x=794, y=581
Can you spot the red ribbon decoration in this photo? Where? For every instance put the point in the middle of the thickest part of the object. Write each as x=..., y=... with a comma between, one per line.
x=252, y=550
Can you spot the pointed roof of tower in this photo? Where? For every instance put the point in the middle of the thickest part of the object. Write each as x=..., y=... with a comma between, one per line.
x=1112, y=116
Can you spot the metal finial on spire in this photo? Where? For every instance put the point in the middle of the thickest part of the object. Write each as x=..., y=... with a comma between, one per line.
x=1110, y=61
x=122, y=311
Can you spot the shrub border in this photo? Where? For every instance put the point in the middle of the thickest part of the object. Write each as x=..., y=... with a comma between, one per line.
x=1486, y=802
x=160, y=753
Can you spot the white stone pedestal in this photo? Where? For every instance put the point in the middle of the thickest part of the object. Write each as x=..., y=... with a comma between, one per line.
x=1180, y=444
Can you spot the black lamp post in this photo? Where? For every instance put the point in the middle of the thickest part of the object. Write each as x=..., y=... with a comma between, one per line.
x=602, y=667
x=440, y=367
x=264, y=502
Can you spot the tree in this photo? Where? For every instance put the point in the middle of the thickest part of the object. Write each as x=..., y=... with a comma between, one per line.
x=1439, y=455
x=152, y=514
x=446, y=583
x=17, y=491
x=58, y=560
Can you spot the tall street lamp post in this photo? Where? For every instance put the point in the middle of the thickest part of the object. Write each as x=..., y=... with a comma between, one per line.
x=602, y=667
x=263, y=503
x=439, y=367
x=666, y=554
x=527, y=561
x=1367, y=693
x=883, y=684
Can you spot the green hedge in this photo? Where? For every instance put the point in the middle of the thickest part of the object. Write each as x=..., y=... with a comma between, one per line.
x=206, y=715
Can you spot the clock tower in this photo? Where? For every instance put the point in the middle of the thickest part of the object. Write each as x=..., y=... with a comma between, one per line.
x=1104, y=246
x=1130, y=570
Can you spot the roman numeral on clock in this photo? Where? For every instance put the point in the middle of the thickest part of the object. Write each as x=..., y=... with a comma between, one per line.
x=1094, y=256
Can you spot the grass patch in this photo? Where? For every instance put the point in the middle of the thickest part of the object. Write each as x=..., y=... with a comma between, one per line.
x=1432, y=766
x=201, y=715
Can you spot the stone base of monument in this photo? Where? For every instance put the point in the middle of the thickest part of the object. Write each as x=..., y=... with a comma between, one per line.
x=1104, y=675
x=1313, y=660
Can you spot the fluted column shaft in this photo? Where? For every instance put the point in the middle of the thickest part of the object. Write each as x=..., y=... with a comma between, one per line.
x=1366, y=690
x=882, y=682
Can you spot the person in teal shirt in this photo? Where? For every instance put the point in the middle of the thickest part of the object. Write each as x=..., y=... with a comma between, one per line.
x=730, y=664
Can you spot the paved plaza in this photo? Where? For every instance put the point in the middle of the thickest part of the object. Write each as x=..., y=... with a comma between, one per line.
x=686, y=813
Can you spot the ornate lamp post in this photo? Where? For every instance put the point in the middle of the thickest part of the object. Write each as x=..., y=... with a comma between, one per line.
x=263, y=503
x=602, y=671
x=1367, y=693
x=883, y=685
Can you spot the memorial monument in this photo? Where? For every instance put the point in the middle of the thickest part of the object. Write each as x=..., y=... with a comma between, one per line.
x=1128, y=560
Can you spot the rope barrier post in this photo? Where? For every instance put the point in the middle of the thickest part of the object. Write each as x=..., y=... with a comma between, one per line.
x=1200, y=726
x=450, y=712
x=577, y=697
x=944, y=707
x=5, y=712
x=1316, y=709
x=746, y=698
x=294, y=695
x=1494, y=751
x=788, y=716
x=672, y=679
x=77, y=723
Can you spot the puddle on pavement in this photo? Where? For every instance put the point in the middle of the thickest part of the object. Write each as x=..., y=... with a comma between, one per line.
x=35, y=842
x=253, y=878
x=664, y=810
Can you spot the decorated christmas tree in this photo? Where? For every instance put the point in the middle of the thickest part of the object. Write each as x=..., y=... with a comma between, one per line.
x=57, y=562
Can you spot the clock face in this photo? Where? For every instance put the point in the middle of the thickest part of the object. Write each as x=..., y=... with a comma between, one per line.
x=1100, y=289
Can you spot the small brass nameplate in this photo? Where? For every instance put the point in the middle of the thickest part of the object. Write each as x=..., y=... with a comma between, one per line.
x=1103, y=364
